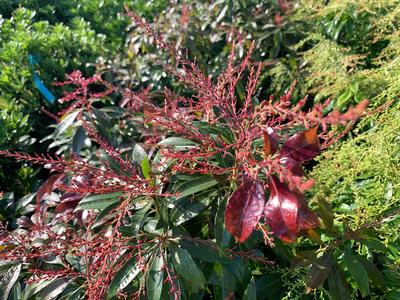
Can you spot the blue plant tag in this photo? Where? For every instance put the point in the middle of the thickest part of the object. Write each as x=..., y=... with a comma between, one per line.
x=43, y=89
x=39, y=84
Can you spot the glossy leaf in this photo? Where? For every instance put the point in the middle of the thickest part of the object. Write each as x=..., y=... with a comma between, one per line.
x=8, y=281
x=154, y=282
x=286, y=211
x=195, y=185
x=270, y=141
x=302, y=146
x=139, y=156
x=244, y=210
x=54, y=289
x=67, y=121
x=178, y=143
x=188, y=208
x=186, y=267
x=123, y=277
x=205, y=251
x=98, y=201
x=48, y=186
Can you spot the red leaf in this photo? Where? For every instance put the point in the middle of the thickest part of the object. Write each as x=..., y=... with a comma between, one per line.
x=48, y=186
x=244, y=209
x=293, y=166
x=302, y=146
x=69, y=202
x=286, y=211
x=270, y=141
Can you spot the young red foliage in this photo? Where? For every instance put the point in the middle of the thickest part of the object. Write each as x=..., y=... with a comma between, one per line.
x=244, y=210
x=286, y=211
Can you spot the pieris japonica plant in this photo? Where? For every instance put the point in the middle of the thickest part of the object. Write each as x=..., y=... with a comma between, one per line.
x=194, y=199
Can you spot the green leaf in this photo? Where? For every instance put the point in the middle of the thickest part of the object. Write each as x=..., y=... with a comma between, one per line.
x=139, y=156
x=123, y=277
x=269, y=286
x=67, y=121
x=357, y=271
x=188, y=208
x=34, y=288
x=146, y=168
x=338, y=287
x=154, y=282
x=186, y=267
x=78, y=140
x=98, y=201
x=319, y=271
x=205, y=251
x=325, y=213
x=392, y=295
x=8, y=281
x=374, y=274
x=222, y=236
x=16, y=292
x=197, y=184
x=72, y=293
x=250, y=292
x=178, y=143
x=54, y=289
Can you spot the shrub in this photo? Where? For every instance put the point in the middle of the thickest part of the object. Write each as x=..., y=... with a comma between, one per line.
x=58, y=48
x=154, y=216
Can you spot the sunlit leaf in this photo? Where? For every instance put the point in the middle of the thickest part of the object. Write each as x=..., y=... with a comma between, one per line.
x=270, y=141
x=286, y=211
x=186, y=267
x=8, y=281
x=195, y=185
x=98, y=201
x=302, y=146
x=244, y=209
x=123, y=277
x=154, y=282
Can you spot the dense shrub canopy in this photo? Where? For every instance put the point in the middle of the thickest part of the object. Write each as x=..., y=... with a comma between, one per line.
x=182, y=158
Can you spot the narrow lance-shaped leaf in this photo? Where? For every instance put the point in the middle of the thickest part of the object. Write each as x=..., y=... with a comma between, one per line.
x=8, y=280
x=186, y=267
x=244, y=210
x=154, y=282
x=302, y=146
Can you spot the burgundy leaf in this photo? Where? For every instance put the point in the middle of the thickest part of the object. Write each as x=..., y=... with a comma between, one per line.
x=48, y=186
x=286, y=211
x=293, y=166
x=244, y=209
x=302, y=146
x=68, y=203
x=270, y=141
